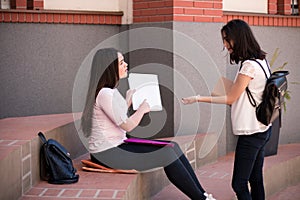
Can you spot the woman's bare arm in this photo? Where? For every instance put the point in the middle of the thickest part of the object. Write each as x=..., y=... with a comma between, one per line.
x=235, y=92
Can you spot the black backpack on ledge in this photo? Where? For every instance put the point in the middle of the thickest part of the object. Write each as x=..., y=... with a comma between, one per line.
x=56, y=166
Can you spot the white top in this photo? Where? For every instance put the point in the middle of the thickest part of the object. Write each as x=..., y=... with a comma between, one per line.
x=243, y=116
x=110, y=110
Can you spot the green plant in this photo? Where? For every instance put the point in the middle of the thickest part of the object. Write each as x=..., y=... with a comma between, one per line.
x=275, y=55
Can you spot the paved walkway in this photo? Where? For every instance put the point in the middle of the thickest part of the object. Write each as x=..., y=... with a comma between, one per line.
x=290, y=193
x=216, y=178
x=91, y=186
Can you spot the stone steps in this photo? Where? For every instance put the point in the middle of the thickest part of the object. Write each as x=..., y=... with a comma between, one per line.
x=280, y=171
x=140, y=186
x=19, y=166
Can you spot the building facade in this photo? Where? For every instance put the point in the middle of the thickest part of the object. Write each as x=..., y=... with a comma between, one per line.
x=44, y=44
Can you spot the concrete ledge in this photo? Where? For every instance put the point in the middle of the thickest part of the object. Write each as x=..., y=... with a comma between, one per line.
x=20, y=147
x=282, y=170
x=149, y=183
x=19, y=166
x=119, y=186
x=19, y=161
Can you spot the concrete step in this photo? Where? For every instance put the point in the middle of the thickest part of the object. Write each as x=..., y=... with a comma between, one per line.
x=19, y=166
x=19, y=162
x=289, y=193
x=140, y=186
x=215, y=177
x=20, y=147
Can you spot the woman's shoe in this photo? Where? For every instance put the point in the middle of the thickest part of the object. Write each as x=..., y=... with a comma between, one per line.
x=209, y=196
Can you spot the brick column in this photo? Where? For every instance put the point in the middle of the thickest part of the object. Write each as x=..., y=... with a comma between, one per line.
x=272, y=7
x=12, y=4
x=38, y=4
x=18, y=4
x=284, y=7
x=177, y=10
x=152, y=11
x=29, y=4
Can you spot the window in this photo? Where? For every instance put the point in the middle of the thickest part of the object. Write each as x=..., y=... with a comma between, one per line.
x=294, y=7
x=87, y=5
x=253, y=6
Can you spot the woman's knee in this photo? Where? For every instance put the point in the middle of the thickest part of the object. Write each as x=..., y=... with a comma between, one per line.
x=176, y=147
x=175, y=143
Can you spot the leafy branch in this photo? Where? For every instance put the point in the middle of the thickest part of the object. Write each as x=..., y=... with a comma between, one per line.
x=287, y=94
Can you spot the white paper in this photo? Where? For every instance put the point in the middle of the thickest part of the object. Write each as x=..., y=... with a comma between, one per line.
x=147, y=87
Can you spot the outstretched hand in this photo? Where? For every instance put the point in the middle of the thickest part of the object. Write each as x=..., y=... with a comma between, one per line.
x=190, y=100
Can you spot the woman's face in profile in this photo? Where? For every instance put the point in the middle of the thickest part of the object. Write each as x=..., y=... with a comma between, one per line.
x=123, y=70
x=228, y=44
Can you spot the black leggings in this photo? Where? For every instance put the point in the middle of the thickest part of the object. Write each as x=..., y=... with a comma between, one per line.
x=144, y=157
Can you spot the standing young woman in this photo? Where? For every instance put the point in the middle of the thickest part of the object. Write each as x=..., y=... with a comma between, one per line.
x=105, y=122
x=239, y=40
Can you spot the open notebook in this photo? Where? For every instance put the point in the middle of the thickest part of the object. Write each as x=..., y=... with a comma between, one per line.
x=147, y=87
x=151, y=142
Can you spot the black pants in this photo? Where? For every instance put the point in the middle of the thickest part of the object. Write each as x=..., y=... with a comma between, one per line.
x=248, y=166
x=144, y=157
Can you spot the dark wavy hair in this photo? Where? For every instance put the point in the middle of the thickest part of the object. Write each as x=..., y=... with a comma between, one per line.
x=104, y=73
x=245, y=45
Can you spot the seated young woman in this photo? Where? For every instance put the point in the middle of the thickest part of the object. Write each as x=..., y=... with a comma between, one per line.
x=105, y=123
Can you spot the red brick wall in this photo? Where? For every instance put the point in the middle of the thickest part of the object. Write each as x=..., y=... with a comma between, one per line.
x=177, y=10
x=62, y=17
x=32, y=11
x=272, y=7
x=152, y=11
x=210, y=11
x=21, y=4
x=279, y=13
x=198, y=11
x=284, y=7
x=38, y=4
x=259, y=20
x=281, y=7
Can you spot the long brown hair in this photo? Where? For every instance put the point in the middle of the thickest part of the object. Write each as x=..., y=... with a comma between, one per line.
x=104, y=73
x=245, y=45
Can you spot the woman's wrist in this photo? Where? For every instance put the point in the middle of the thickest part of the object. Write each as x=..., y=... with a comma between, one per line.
x=197, y=98
x=191, y=99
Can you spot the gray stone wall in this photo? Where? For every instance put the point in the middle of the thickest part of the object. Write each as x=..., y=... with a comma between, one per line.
x=39, y=63
x=207, y=35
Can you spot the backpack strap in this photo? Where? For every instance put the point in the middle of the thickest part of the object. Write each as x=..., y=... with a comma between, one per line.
x=250, y=96
x=263, y=67
x=42, y=137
